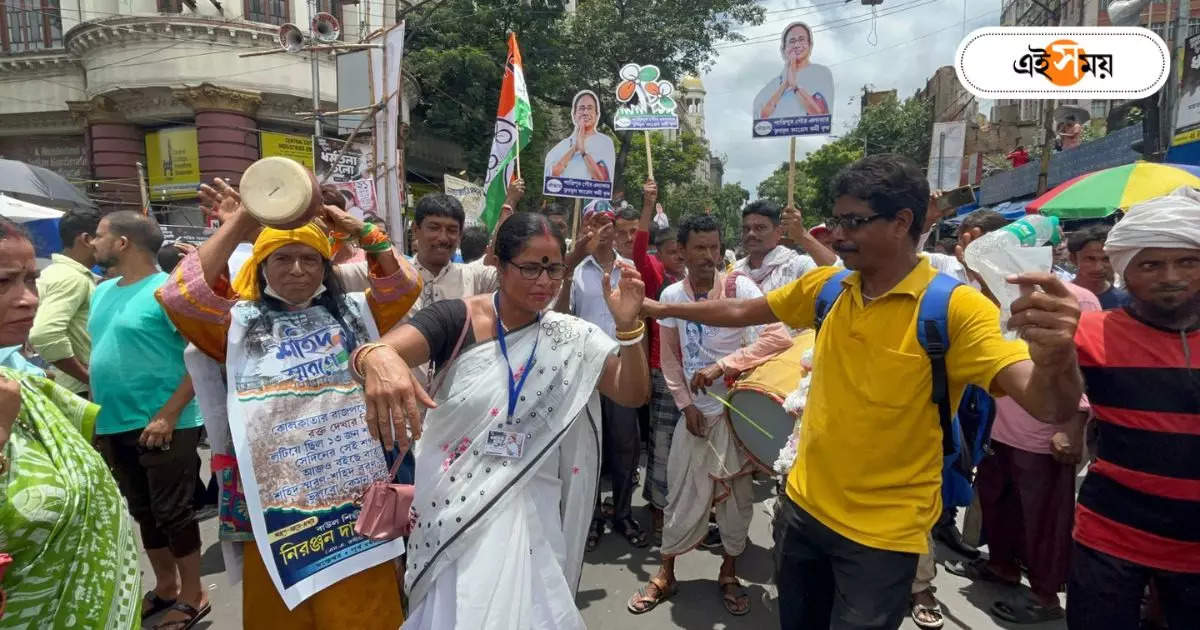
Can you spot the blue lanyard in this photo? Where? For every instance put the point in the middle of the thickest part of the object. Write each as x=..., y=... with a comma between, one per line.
x=514, y=390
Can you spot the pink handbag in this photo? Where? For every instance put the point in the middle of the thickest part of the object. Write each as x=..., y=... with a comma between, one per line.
x=386, y=512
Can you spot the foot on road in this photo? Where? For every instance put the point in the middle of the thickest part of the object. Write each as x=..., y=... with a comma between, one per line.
x=926, y=611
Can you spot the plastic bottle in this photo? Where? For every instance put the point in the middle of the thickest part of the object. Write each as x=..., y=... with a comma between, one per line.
x=1016, y=248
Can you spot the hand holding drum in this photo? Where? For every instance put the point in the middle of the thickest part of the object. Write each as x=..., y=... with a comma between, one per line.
x=280, y=193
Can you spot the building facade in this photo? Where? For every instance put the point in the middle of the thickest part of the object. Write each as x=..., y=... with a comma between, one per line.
x=86, y=85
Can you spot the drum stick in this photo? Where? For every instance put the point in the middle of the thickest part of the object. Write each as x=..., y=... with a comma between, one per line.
x=742, y=415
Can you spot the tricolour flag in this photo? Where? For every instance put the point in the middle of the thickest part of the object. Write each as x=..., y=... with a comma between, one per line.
x=514, y=127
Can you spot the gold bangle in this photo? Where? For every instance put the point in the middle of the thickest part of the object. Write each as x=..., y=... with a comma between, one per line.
x=360, y=354
x=625, y=335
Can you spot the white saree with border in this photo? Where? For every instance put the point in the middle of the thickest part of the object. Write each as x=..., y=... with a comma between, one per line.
x=498, y=542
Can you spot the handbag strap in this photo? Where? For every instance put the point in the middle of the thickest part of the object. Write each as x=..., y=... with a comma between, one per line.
x=441, y=377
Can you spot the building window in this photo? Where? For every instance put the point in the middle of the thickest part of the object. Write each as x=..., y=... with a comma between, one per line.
x=170, y=6
x=27, y=25
x=1099, y=109
x=269, y=11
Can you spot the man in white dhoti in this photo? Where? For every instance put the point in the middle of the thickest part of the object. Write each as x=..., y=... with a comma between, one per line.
x=706, y=469
x=499, y=540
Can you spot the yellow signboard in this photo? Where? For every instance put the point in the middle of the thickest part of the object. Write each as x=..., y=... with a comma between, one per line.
x=172, y=163
x=299, y=148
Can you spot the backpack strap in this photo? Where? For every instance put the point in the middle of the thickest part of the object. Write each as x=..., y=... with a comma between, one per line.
x=829, y=294
x=933, y=334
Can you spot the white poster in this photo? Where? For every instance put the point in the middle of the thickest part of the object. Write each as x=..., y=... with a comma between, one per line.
x=799, y=100
x=471, y=196
x=582, y=164
x=385, y=84
x=946, y=154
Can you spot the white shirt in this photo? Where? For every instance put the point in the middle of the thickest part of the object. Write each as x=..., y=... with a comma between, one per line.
x=949, y=265
x=701, y=346
x=454, y=282
x=780, y=267
x=587, y=293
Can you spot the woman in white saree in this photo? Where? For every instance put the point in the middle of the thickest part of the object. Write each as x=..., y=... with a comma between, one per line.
x=506, y=474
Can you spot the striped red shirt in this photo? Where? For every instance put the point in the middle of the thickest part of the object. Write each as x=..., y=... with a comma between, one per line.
x=1141, y=499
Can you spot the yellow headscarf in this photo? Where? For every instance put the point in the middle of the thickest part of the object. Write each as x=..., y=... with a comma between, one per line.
x=269, y=240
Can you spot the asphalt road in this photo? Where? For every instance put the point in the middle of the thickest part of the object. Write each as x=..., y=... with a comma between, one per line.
x=615, y=570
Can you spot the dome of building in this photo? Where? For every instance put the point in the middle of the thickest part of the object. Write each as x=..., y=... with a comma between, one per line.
x=691, y=83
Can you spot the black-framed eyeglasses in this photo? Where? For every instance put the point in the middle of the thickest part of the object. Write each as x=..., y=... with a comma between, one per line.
x=531, y=271
x=851, y=222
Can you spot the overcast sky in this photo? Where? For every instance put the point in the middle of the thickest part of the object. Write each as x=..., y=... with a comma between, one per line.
x=913, y=38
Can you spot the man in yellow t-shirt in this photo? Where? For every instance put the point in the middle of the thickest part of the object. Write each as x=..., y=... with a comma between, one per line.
x=865, y=489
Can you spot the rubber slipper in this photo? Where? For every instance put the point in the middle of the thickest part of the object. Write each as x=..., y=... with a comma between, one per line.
x=1025, y=611
x=157, y=604
x=194, y=616
x=935, y=611
x=643, y=597
x=737, y=594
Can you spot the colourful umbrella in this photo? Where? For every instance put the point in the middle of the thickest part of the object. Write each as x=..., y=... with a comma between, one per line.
x=1099, y=194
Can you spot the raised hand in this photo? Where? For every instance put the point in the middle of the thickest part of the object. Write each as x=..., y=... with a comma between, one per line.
x=221, y=202
x=582, y=247
x=625, y=301
x=1045, y=319
x=342, y=221
x=649, y=193
x=516, y=192
x=793, y=224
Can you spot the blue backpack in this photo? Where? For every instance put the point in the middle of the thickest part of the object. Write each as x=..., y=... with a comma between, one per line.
x=965, y=435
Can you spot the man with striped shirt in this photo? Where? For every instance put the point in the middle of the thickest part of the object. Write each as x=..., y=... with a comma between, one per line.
x=1138, y=513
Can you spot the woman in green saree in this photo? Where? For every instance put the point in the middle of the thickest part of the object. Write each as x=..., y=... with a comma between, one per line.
x=74, y=559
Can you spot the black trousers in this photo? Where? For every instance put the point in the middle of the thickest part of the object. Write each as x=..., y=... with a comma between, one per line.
x=827, y=581
x=621, y=450
x=159, y=486
x=1105, y=593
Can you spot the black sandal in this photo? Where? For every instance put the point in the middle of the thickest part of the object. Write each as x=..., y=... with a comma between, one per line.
x=595, y=532
x=157, y=604
x=633, y=532
x=193, y=617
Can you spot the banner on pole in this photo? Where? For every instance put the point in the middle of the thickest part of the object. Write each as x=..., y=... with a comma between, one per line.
x=471, y=196
x=646, y=102
x=582, y=164
x=799, y=100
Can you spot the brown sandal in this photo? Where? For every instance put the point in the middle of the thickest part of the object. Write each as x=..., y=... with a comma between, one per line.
x=730, y=598
x=643, y=602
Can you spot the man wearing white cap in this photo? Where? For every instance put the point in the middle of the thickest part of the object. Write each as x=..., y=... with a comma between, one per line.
x=1138, y=514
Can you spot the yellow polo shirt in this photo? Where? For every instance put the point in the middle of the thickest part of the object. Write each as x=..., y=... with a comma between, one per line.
x=869, y=463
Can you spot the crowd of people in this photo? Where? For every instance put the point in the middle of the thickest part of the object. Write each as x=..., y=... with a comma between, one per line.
x=617, y=347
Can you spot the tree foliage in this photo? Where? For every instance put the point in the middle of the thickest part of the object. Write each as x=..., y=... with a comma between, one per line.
x=676, y=162
x=896, y=127
x=700, y=198
x=456, y=50
x=814, y=175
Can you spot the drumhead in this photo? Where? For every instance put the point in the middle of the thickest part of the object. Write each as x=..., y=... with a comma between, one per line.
x=774, y=428
x=277, y=190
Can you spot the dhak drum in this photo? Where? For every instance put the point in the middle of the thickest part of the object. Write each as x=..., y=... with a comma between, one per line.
x=281, y=193
x=759, y=421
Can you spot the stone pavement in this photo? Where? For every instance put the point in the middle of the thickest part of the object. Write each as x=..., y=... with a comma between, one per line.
x=614, y=571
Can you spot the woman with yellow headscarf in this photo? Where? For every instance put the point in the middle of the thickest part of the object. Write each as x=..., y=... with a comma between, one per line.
x=285, y=329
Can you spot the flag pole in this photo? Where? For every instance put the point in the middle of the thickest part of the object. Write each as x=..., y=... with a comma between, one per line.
x=649, y=157
x=518, y=158
x=791, y=173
